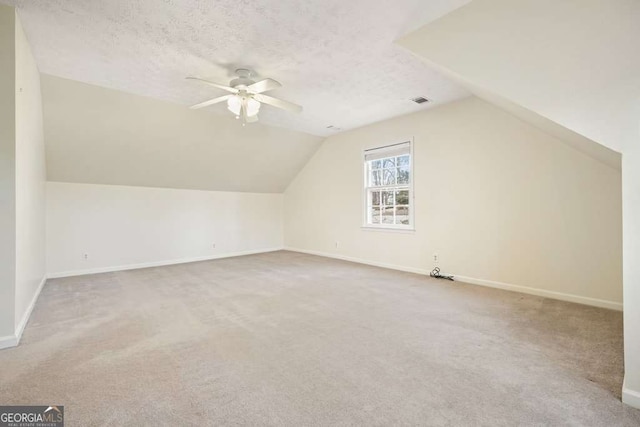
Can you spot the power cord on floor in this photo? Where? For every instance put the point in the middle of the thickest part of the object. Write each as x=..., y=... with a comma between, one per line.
x=436, y=274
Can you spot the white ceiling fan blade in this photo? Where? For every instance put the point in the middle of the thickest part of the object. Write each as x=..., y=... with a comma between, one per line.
x=211, y=102
x=219, y=86
x=263, y=86
x=279, y=103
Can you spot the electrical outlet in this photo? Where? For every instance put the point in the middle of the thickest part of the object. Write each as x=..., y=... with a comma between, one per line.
x=214, y=246
x=436, y=258
x=85, y=256
x=337, y=244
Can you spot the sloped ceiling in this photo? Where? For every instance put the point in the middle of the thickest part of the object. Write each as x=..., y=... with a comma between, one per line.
x=102, y=136
x=575, y=64
x=335, y=57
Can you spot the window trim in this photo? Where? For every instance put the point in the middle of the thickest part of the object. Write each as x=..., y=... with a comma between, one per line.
x=398, y=228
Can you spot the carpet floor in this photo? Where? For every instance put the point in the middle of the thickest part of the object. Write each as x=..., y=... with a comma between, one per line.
x=290, y=339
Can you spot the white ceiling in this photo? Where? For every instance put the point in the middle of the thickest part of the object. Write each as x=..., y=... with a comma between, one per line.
x=335, y=57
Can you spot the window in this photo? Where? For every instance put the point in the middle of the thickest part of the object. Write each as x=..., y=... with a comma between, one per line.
x=388, y=187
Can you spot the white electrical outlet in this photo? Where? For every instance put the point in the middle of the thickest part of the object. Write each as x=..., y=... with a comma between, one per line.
x=214, y=246
x=337, y=244
x=85, y=256
x=436, y=258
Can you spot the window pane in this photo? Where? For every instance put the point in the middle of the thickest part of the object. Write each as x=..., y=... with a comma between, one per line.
x=402, y=215
x=388, y=195
x=402, y=197
x=387, y=216
x=375, y=198
x=402, y=160
x=387, y=198
x=375, y=215
x=375, y=179
x=388, y=176
x=403, y=175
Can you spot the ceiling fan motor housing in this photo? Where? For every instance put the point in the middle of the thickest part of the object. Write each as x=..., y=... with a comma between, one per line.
x=244, y=78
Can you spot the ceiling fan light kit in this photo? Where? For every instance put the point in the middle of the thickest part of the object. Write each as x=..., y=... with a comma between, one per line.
x=246, y=96
x=234, y=104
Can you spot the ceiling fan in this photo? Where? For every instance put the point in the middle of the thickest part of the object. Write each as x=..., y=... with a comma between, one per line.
x=247, y=96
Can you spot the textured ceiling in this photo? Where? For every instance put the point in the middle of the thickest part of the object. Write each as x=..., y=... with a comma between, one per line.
x=335, y=57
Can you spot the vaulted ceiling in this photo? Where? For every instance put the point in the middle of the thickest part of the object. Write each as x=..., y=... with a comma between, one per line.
x=575, y=64
x=96, y=135
x=336, y=58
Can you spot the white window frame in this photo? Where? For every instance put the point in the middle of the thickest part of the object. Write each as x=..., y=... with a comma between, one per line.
x=366, y=225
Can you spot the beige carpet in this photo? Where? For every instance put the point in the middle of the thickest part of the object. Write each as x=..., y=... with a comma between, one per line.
x=292, y=339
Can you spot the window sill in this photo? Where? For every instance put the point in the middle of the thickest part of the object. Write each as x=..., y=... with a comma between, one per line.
x=389, y=229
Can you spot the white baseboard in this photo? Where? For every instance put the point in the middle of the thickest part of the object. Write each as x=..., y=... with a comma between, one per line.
x=359, y=260
x=612, y=305
x=595, y=302
x=630, y=397
x=8, y=341
x=13, y=340
x=27, y=313
x=157, y=263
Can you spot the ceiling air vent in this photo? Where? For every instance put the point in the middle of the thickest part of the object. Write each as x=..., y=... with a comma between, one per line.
x=332, y=127
x=420, y=100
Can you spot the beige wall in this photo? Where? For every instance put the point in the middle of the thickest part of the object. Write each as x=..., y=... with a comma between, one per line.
x=122, y=227
x=499, y=201
x=7, y=173
x=631, y=194
x=30, y=182
x=22, y=180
